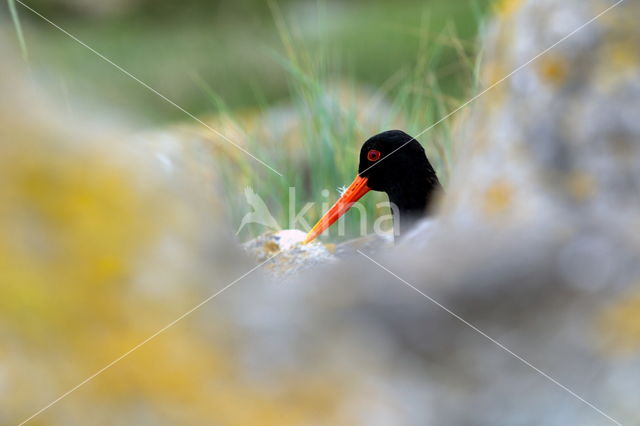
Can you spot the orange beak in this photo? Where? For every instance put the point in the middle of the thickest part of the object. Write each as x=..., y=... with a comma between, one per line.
x=354, y=192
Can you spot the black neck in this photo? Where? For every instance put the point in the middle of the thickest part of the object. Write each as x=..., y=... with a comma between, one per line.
x=412, y=202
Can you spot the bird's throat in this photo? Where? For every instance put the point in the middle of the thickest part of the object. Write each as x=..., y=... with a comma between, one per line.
x=409, y=204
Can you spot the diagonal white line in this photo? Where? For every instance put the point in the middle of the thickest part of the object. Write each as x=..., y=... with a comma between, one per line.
x=500, y=345
x=145, y=341
x=506, y=77
x=127, y=73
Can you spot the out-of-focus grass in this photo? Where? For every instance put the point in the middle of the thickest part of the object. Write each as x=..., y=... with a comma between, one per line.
x=231, y=49
x=18, y=26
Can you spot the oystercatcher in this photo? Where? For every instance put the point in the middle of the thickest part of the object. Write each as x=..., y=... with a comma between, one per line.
x=395, y=163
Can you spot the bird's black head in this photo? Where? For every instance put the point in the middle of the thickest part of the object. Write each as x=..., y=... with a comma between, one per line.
x=392, y=159
x=395, y=163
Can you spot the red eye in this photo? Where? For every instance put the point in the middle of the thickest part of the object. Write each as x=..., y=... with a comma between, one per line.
x=373, y=155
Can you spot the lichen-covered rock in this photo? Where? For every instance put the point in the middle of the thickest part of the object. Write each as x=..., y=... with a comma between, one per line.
x=284, y=254
x=560, y=136
x=105, y=238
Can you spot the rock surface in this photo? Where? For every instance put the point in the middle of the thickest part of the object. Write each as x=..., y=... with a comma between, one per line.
x=283, y=253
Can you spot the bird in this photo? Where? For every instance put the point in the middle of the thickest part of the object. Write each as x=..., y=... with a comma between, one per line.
x=395, y=163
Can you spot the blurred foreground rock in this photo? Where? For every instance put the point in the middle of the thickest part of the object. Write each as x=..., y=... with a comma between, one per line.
x=105, y=240
x=536, y=242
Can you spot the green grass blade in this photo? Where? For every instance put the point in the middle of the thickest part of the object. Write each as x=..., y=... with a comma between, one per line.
x=18, y=26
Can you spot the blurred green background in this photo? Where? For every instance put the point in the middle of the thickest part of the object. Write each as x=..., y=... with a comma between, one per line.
x=243, y=57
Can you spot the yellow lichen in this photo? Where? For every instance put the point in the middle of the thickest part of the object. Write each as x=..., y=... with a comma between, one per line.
x=331, y=248
x=581, y=186
x=622, y=56
x=507, y=7
x=271, y=247
x=619, y=325
x=553, y=70
x=498, y=197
